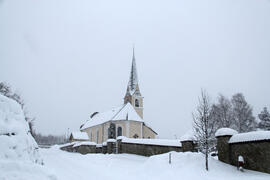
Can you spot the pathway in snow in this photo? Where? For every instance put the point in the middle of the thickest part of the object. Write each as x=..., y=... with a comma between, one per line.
x=185, y=166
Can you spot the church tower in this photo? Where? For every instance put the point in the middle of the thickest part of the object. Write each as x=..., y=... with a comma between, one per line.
x=133, y=94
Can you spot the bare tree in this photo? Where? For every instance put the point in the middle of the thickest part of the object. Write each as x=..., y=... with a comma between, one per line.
x=222, y=113
x=201, y=125
x=242, y=114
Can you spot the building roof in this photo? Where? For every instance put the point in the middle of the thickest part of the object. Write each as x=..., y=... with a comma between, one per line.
x=80, y=135
x=124, y=112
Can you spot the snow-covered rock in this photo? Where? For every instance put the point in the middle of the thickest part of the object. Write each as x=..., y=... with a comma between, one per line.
x=250, y=136
x=225, y=132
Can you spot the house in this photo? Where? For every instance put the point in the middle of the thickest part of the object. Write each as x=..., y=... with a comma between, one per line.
x=78, y=136
x=125, y=120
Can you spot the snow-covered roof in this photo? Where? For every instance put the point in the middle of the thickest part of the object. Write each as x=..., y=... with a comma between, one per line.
x=85, y=143
x=124, y=112
x=189, y=136
x=80, y=135
x=250, y=136
x=160, y=142
x=225, y=132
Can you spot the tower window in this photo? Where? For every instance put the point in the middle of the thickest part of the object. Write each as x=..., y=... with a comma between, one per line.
x=137, y=103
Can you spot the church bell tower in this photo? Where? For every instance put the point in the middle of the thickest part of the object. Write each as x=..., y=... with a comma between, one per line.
x=133, y=94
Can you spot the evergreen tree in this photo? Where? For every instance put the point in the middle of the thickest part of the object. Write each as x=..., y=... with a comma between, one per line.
x=264, y=116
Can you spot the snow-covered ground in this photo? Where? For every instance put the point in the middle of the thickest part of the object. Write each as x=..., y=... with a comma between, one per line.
x=20, y=159
x=185, y=166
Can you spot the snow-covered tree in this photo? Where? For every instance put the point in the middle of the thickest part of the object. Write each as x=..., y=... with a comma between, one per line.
x=242, y=114
x=264, y=116
x=202, y=128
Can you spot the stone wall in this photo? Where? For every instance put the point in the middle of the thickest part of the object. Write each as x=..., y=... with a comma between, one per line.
x=224, y=149
x=113, y=146
x=256, y=154
x=85, y=149
x=147, y=150
x=188, y=146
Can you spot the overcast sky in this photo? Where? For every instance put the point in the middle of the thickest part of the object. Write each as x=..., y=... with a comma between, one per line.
x=71, y=58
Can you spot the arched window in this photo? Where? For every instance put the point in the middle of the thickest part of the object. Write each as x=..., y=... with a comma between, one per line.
x=119, y=131
x=137, y=103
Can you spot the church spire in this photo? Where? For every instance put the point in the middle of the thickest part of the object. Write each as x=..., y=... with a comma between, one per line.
x=133, y=79
x=133, y=94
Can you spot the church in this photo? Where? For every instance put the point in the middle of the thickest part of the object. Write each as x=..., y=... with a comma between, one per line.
x=126, y=120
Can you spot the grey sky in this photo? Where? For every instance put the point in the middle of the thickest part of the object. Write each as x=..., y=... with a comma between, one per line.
x=71, y=58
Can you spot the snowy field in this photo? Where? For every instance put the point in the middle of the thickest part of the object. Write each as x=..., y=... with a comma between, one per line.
x=185, y=166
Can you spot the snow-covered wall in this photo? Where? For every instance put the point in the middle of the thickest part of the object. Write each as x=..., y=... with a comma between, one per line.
x=252, y=146
x=16, y=142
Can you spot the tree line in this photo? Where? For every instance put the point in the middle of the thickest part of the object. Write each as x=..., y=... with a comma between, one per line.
x=234, y=113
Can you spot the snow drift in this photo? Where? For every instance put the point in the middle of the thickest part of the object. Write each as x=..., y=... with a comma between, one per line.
x=19, y=155
x=16, y=141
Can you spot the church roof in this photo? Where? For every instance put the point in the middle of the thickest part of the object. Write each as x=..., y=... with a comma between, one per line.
x=124, y=112
x=133, y=78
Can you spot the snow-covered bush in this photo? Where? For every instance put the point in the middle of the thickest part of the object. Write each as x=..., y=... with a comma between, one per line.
x=16, y=141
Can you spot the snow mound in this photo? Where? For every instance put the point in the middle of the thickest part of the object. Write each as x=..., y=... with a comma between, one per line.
x=160, y=142
x=189, y=136
x=19, y=155
x=16, y=142
x=225, y=132
x=250, y=136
